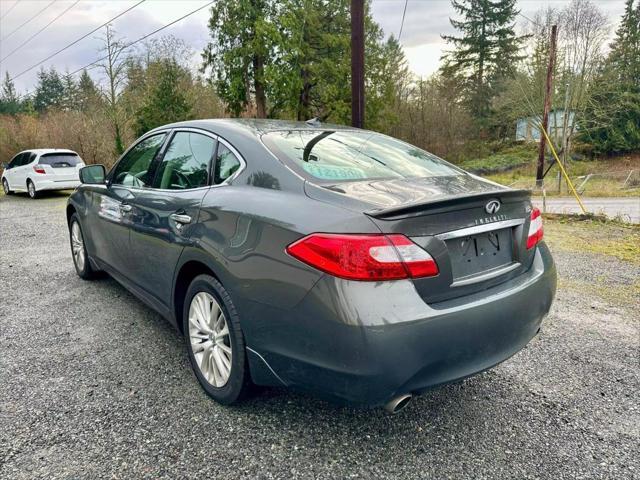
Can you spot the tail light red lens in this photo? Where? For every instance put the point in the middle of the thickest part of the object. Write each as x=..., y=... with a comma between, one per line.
x=535, y=229
x=39, y=169
x=364, y=257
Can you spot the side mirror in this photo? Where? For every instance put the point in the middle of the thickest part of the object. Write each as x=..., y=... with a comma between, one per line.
x=93, y=174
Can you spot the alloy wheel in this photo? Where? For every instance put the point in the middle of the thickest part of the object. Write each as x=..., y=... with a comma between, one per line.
x=209, y=337
x=5, y=186
x=32, y=190
x=77, y=246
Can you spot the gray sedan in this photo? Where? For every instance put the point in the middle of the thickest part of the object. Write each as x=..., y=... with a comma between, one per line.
x=329, y=259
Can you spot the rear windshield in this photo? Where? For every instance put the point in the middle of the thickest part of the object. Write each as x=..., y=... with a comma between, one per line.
x=60, y=160
x=352, y=155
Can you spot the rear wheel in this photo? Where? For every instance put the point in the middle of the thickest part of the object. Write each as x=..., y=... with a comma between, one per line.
x=215, y=341
x=5, y=187
x=31, y=188
x=79, y=250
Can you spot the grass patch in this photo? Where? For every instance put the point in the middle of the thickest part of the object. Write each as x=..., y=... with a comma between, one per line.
x=594, y=235
x=509, y=158
x=609, y=176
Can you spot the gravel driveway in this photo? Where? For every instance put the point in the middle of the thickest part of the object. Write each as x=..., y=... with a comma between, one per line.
x=93, y=384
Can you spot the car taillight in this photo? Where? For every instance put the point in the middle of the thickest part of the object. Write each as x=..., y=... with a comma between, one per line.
x=535, y=229
x=364, y=257
x=39, y=169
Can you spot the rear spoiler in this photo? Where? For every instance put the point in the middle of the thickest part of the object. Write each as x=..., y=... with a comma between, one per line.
x=450, y=202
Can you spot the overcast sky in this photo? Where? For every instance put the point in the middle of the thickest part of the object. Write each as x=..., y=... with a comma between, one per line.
x=424, y=22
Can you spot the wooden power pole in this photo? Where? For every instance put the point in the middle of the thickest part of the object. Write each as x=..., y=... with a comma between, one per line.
x=548, y=94
x=357, y=63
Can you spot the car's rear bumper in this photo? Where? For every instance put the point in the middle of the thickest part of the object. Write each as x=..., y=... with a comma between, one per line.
x=42, y=184
x=367, y=343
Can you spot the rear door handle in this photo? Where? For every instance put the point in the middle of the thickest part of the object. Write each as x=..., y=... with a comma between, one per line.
x=125, y=207
x=180, y=218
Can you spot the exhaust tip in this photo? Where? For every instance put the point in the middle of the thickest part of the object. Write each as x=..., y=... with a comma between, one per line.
x=398, y=403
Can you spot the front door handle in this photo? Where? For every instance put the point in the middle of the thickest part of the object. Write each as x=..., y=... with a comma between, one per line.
x=125, y=207
x=180, y=218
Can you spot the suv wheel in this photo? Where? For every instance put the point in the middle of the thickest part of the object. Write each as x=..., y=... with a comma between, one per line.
x=215, y=341
x=5, y=187
x=79, y=250
x=31, y=188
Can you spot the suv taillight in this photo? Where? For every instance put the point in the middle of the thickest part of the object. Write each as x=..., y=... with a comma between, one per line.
x=364, y=257
x=535, y=229
x=38, y=169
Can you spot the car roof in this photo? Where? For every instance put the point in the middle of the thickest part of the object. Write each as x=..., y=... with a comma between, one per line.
x=255, y=126
x=42, y=151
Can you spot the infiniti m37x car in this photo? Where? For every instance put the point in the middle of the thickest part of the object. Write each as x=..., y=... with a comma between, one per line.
x=334, y=260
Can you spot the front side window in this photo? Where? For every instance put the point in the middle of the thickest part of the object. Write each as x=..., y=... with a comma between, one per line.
x=226, y=164
x=353, y=155
x=15, y=161
x=134, y=169
x=186, y=162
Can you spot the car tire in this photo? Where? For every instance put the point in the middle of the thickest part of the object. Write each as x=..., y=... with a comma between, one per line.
x=31, y=189
x=79, y=250
x=5, y=187
x=208, y=346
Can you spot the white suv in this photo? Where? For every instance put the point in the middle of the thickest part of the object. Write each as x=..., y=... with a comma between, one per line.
x=33, y=171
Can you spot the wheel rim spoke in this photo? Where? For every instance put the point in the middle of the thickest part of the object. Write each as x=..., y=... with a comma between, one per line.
x=209, y=339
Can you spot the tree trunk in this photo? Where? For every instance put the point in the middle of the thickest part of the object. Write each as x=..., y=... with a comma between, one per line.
x=304, y=101
x=258, y=85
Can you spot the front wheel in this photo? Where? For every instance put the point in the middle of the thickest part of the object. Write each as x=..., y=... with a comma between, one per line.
x=215, y=341
x=5, y=187
x=79, y=250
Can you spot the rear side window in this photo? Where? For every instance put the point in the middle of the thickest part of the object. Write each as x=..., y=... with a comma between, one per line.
x=186, y=162
x=134, y=170
x=226, y=164
x=353, y=155
x=60, y=160
x=25, y=158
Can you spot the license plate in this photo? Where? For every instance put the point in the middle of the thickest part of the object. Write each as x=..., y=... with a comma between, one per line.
x=479, y=253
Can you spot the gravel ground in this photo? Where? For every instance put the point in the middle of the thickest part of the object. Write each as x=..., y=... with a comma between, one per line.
x=93, y=384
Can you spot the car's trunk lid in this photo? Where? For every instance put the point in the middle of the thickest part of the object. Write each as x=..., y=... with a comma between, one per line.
x=455, y=219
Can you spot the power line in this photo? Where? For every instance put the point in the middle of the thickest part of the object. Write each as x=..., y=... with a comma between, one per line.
x=16, y=29
x=76, y=41
x=92, y=64
x=38, y=32
x=145, y=36
x=9, y=11
x=402, y=23
x=527, y=18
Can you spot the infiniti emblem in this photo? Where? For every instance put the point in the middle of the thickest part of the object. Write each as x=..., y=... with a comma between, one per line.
x=492, y=207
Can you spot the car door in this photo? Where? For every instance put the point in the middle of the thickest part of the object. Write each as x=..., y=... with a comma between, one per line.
x=163, y=216
x=20, y=172
x=112, y=204
x=9, y=172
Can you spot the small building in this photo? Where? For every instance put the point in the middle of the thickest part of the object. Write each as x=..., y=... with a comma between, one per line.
x=528, y=130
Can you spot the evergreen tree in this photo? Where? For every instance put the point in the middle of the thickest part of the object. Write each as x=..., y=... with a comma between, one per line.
x=70, y=100
x=9, y=100
x=166, y=101
x=50, y=91
x=612, y=117
x=88, y=94
x=243, y=38
x=486, y=53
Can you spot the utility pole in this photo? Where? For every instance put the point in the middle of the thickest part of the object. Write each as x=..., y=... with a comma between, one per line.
x=565, y=136
x=547, y=104
x=357, y=63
